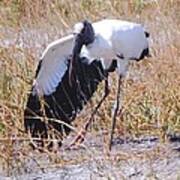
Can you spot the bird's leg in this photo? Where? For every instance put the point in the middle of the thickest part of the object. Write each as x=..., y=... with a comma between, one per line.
x=80, y=137
x=115, y=112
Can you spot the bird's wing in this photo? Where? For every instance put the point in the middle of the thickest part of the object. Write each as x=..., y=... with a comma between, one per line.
x=53, y=65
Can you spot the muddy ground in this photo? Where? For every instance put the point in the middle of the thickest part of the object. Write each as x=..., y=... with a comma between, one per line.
x=130, y=158
x=145, y=157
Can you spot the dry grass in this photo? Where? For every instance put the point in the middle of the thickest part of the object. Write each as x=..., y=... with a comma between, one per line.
x=151, y=92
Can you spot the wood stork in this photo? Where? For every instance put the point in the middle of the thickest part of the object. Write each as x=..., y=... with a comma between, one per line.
x=66, y=82
x=115, y=39
x=57, y=94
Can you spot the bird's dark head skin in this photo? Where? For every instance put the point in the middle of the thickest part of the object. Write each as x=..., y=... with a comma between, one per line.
x=84, y=35
x=87, y=34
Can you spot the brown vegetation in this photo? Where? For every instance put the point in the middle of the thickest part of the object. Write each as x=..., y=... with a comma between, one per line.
x=151, y=92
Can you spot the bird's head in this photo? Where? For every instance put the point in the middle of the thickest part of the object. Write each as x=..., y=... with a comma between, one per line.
x=84, y=35
x=84, y=32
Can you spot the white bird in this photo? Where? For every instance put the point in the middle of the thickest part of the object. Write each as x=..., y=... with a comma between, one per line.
x=62, y=100
x=101, y=43
x=120, y=40
x=117, y=39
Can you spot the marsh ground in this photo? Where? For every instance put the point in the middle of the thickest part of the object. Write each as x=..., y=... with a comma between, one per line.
x=151, y=96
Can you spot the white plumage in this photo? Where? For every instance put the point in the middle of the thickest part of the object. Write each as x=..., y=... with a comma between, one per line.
x=54, y=65
x=115, y=38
